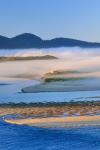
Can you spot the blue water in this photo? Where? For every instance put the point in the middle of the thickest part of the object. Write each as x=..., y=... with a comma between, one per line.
x=10, y=91
x=15, y=137
x=21, y=137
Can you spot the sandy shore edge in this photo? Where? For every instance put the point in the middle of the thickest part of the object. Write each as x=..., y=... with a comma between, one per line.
x=33, y=121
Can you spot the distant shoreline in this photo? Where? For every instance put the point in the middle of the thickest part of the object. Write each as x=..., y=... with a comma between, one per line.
x=20, y=58
x=62, y=86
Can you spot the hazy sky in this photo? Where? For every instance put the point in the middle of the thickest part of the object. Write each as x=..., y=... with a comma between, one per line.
x=51, y=18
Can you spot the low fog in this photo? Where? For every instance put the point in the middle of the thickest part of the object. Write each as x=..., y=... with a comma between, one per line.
x=86, y=60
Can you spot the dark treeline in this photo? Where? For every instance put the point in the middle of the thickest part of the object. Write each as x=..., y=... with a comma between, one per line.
x=51, y=104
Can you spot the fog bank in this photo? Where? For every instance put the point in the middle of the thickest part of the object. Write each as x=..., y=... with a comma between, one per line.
x=87, y=60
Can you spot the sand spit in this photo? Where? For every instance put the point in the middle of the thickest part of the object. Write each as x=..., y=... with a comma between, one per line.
x=50, y=121
x=91, y=84
x=52, y=114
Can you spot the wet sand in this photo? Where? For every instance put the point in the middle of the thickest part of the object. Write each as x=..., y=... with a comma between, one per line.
x=52, y=114
x=50, y=121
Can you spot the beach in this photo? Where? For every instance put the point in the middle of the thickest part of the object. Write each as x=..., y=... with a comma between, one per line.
x=50, y=121
x=49, y=114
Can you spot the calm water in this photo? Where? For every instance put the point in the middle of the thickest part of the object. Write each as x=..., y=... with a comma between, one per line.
x=14, y=137
x=10, y=91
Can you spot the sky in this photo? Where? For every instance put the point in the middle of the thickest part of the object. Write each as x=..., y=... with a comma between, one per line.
x=78, y=19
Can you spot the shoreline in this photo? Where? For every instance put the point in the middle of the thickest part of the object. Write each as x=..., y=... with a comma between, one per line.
x=89, y=84
x=51, y=109
x=36, y=90
x=52, y=114
x=55, y=121
x=26, y=58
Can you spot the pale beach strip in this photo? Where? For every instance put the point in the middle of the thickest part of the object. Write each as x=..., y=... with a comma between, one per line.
x=32, y=121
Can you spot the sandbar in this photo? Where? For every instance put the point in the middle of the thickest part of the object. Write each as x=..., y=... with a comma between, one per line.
x=69, y=121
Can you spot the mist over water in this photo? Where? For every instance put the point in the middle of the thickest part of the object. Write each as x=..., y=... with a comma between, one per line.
x=86, y=60
x=60, y=52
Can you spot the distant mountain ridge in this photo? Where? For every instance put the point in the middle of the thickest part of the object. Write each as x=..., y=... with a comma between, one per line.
x=27, y=40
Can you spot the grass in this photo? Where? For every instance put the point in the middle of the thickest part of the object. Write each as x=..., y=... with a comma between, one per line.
x=55, y=79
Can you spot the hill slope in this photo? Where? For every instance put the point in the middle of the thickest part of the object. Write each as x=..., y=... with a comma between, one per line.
x=28, y=40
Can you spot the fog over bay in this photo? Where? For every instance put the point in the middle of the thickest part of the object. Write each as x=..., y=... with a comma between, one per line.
x=86, y=60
